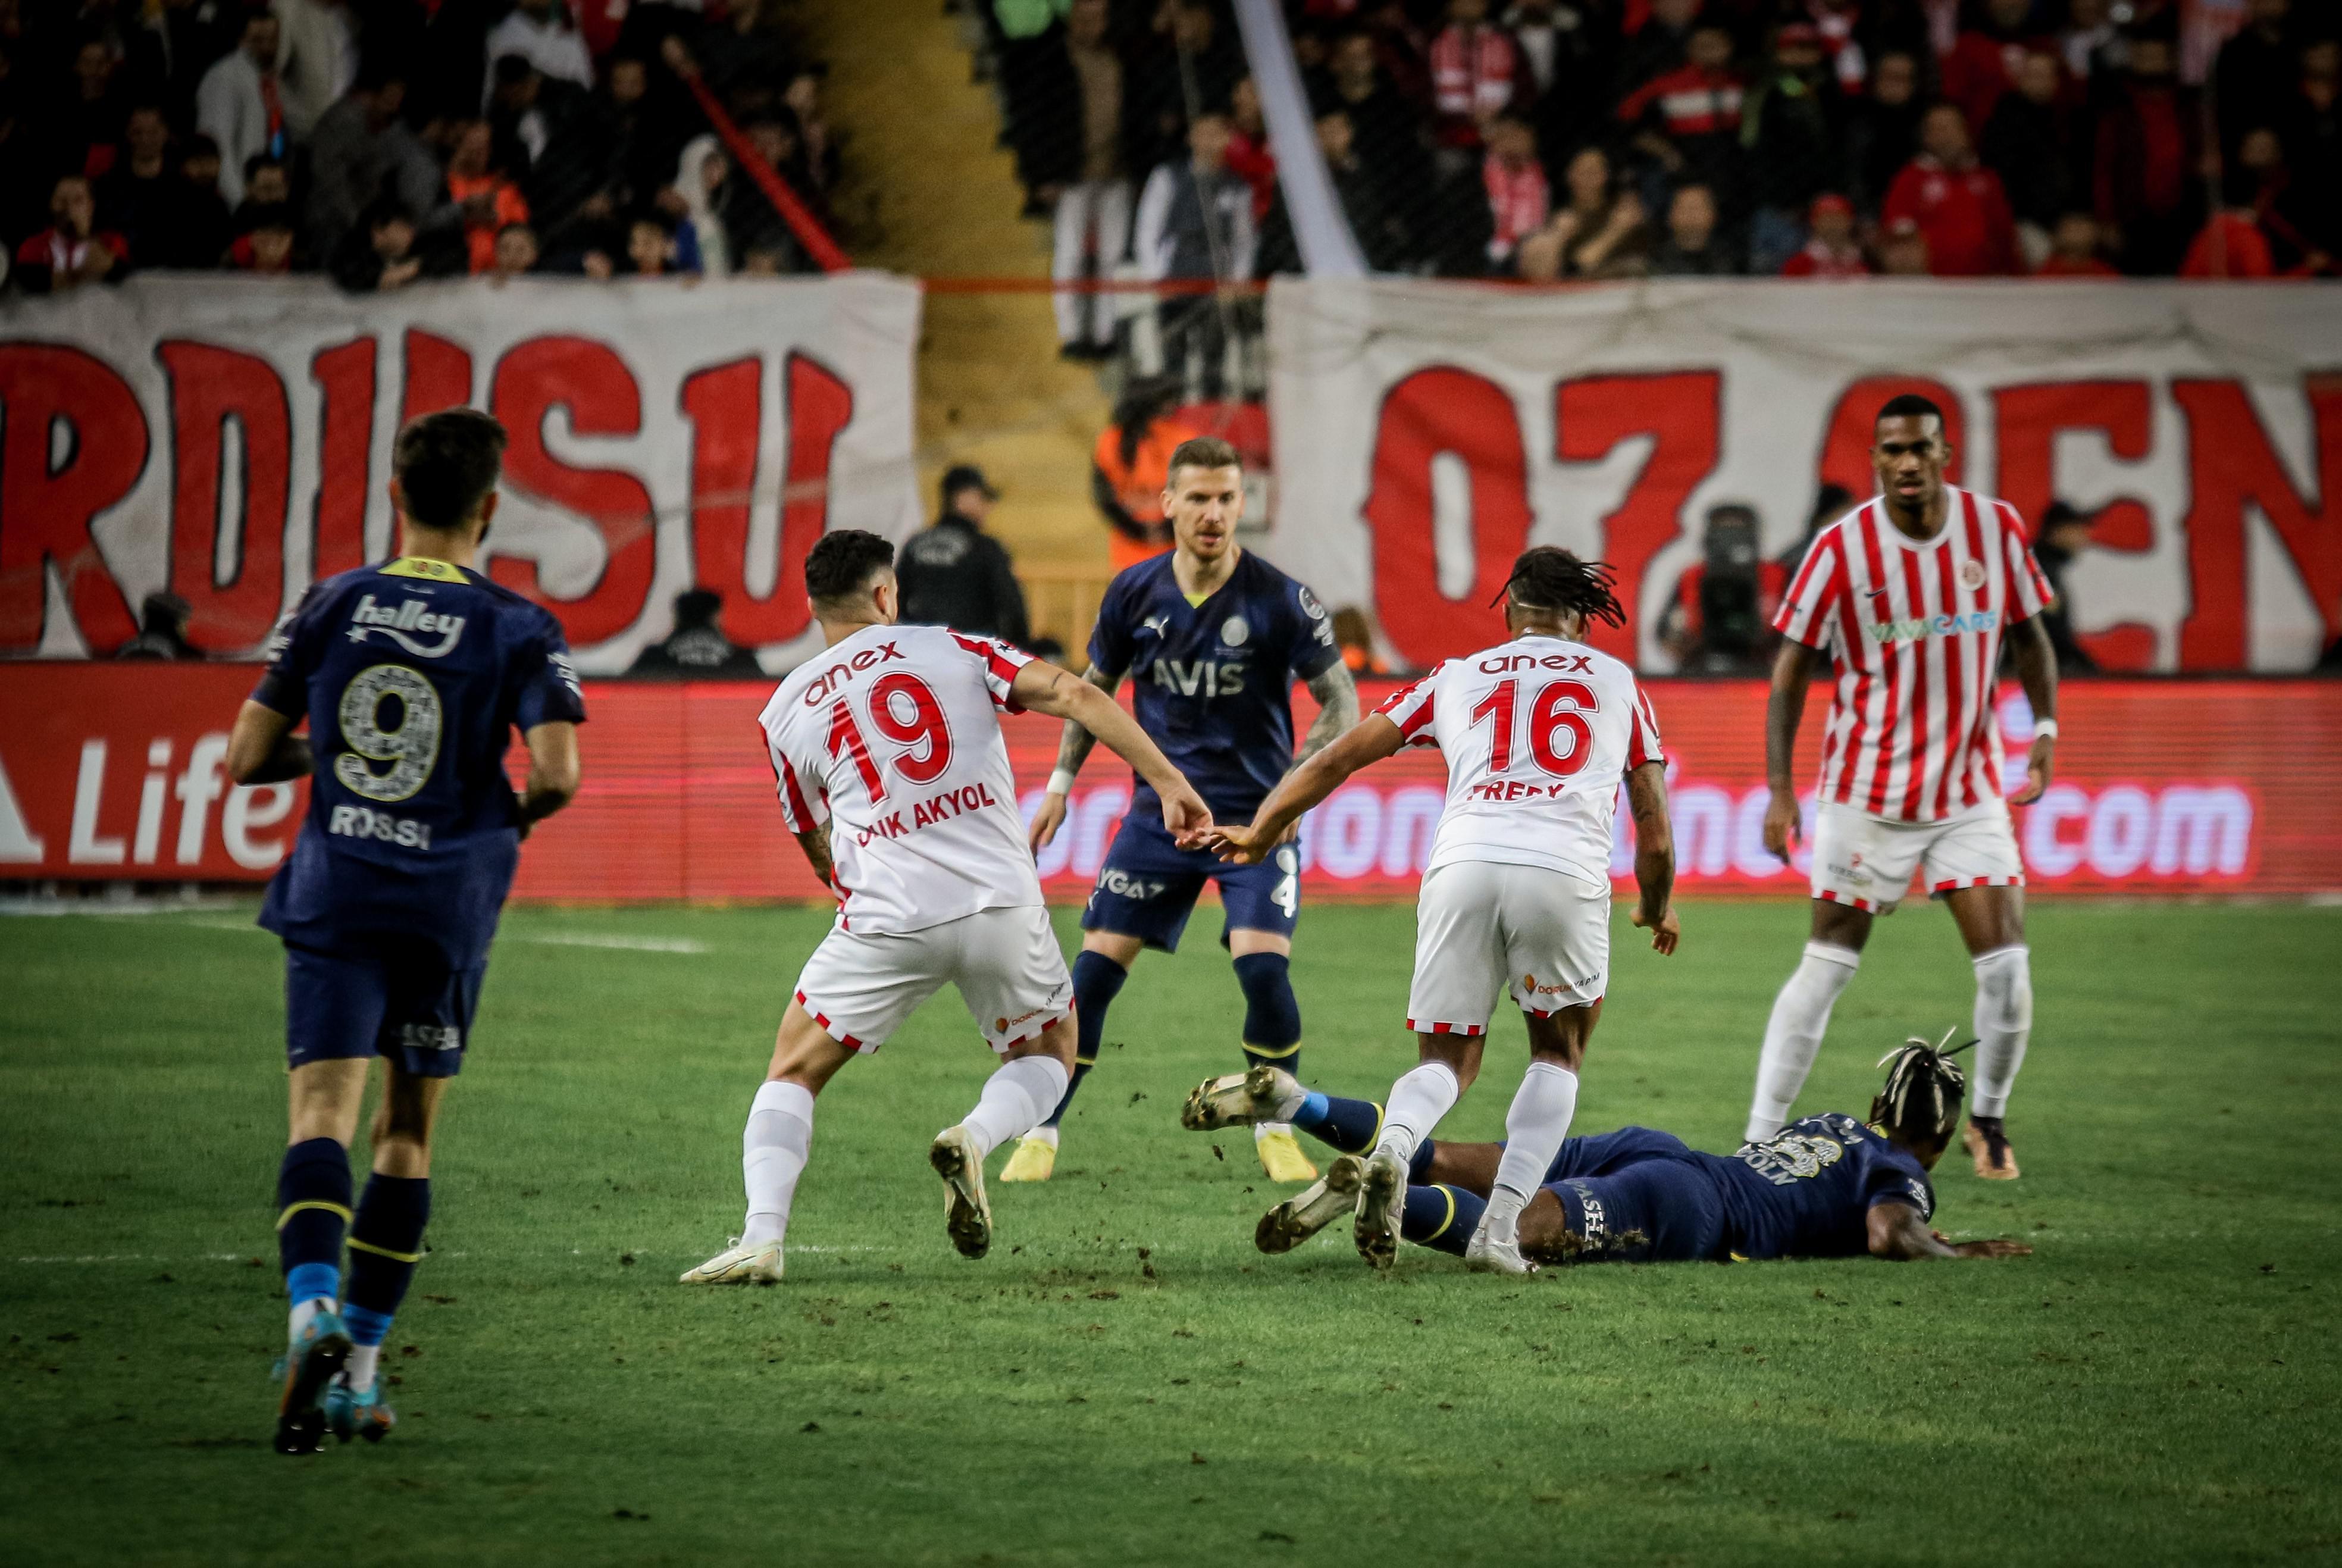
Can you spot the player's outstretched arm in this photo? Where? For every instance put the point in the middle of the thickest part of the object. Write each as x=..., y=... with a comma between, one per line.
x=2037, y=672
x=553, y=771
x=1336, y=696
x=1365, y=743
x=1073, y=750
x=1793, y=672
x=1084, y=704
x=262, y=749
x=1655, y=856
x=1899, y=1236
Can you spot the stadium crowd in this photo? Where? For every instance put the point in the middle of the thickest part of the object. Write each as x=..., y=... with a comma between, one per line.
x=1561, y=139
x=381, y=141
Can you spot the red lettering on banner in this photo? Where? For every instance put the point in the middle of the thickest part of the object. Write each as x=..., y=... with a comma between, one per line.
x=438, y=375
x=726, y=406
x=46, y=510
x=209, y=386
x=1593, y=415
x=820, y=404
x=344, y=378
x=589, y=380
x=2233, y=464
x=2026, y=421
x=1444, y=410
x=1845, y=440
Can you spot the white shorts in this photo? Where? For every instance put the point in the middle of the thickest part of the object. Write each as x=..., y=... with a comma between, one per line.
x=1006, y=962
x=1867, y=862
x=1482, y=928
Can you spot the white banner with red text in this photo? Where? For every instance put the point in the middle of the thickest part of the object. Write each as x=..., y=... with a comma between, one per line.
x=229, y=440
x=1427, y=432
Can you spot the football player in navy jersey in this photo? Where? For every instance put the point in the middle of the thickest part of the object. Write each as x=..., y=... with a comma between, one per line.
x=411, y=676
x=1829, y=1186
x=1212, y=638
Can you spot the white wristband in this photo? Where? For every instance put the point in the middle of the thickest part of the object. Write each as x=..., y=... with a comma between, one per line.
x=2045, y=727
x=1062, y=781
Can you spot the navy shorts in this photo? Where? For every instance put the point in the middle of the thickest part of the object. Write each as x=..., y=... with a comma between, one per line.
x=1635, y=1196
x=403, y=1003
x=1148, y=886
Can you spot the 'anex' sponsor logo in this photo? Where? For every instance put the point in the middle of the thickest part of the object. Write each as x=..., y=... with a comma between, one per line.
x=1931, y=627
x=410, y=616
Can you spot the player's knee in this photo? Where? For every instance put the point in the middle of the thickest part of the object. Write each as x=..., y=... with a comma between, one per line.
x=1272, y=1016
x=2005, y=988
x=1841, y=924
x=1056, y=1039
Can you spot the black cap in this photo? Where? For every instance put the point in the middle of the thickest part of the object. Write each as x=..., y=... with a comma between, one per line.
x=966, y=477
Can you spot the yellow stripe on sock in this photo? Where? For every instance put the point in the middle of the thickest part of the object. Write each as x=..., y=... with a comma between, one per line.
x=1273, y=1053
x=1449, y=1194
x=1378, y=1123
x=292, y=1209
x=358, y=1246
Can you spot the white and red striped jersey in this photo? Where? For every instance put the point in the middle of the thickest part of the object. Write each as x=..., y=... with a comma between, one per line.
x=1538, y=732
x=893, y=737
x=1915, y=629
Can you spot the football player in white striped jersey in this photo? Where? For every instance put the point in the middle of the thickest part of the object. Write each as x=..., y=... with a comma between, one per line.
x=1910, y=596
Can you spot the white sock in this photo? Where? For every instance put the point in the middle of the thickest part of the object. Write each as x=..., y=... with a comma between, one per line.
x=2004, y=1019
x=1417, y=1101
x=305, y=1312
x=773, y=1154
x=360, y=1367
x=1793, y=1034
x=1534, y=1128
x=1044, y=1133
x=1015, y=1099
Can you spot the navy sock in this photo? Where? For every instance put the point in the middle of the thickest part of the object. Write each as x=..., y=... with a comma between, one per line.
x=1272, y=1026
x=312, y=1205
x=1441, y=1218
x=1351, y=1126
x=1098, y=981
x=1419, y=1168
x=385, y=1244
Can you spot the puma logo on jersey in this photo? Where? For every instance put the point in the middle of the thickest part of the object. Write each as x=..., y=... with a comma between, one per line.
x=1154, y=624
x=411, y=616
x=1206, y=677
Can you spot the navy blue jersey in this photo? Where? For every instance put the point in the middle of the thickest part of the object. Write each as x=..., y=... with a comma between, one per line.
x=413, y=675
x=1214, y=682
x=1807, y=1191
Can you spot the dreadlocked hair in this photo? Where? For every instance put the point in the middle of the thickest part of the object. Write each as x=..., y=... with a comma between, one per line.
x=1921, y=1099
x=1550, y=578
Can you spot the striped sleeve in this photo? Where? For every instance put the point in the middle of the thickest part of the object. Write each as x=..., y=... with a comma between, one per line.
x=2029, y=590
x=1410, y=709
x=802, y=810
x=1806, y=612
x=1643, y=731
x=1000, y=664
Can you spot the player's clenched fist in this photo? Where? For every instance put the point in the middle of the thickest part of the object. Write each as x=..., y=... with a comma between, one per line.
x=1783, y=826
x=1186, y=817
x=1664, y=932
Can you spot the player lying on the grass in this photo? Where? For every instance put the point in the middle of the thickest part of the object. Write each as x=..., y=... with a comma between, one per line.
x=1910, y=595
x=1212, y=637
x=891, y=773
x=1829, y=1186
x=412, y=675
x=1538, y=732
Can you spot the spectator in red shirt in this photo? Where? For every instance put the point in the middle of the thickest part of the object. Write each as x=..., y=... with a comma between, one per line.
x=2074, y=250
x=489, y=200
x=2145, y=155
x=1986, y=61
x=72, y=251
x=2231, y=245
x=1832, y=251
x=266, y=248
x=1519, y=199
x=1476, y=73
x=1957, y=203
x=1248, y=151
x=2285, y=212
x=1688, y=119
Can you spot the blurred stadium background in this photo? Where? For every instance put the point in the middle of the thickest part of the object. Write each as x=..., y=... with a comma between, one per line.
x=1456, y=276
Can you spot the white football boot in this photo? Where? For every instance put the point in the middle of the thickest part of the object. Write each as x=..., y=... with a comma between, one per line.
x=1382, y=1201
x=1265, y=1094
x=739, y=1265
x=1490, y=1254
x=967, y=1213
x=1311, y=1209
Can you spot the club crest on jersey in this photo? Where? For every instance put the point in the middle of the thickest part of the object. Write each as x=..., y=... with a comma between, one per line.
x=1972, y=573
x=1309, y=604
x=1235, y=631
x=410, y=616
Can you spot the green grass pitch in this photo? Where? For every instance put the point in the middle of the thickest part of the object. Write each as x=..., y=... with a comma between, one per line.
x=1125, y=1381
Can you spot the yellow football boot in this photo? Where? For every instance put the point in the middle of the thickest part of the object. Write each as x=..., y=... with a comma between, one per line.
x=1280, y=1153
x=1036, y=1160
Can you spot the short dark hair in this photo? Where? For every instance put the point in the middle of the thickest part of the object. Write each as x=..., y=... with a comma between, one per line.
x=1909, y=405
x=844, y=563
x=1549, y=577
x=447, y=464
x=1204, y=452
